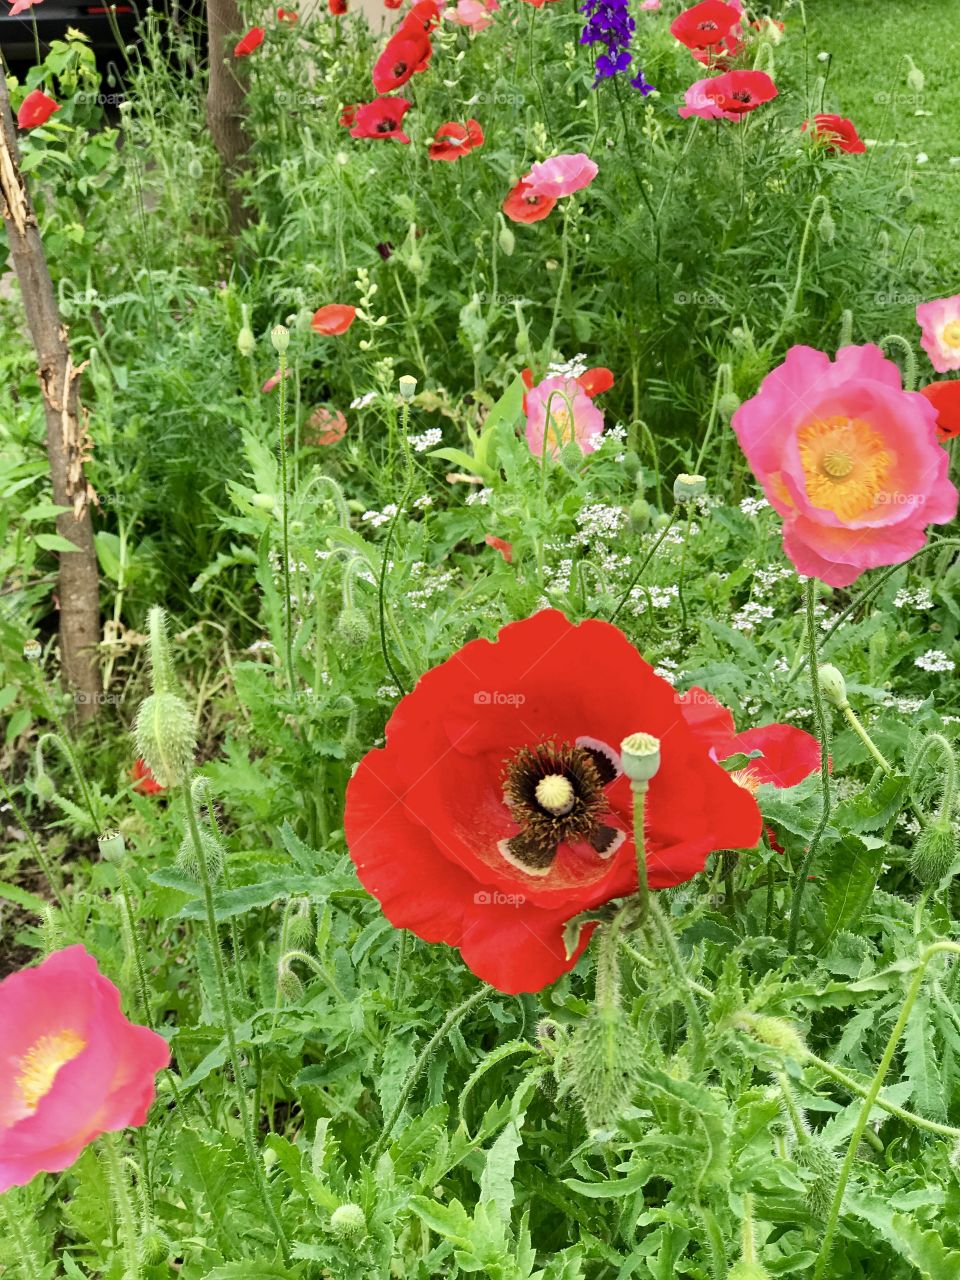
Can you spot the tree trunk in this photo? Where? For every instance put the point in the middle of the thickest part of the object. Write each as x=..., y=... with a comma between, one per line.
x=225, y=94
x=68, y=442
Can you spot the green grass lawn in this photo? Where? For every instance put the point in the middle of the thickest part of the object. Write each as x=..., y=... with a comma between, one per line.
x=870, y=41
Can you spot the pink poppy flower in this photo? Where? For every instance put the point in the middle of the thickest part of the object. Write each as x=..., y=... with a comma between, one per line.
x=848, y=458
x=500, y=544
x=36, y=109
x=560, y=175
x=728, y=97
x=573, y=417
x=21, y=6
x=652, y=6
x=273, y=381
x=940, y=321
x=72, y=1066
x=473, y=14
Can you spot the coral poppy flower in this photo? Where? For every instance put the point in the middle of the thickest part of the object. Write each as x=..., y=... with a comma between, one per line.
x=451, y=141
x=380, y=119
x=472, y=14
x=36, y=109
x=392, y=4
x=940, y=321
x=788, y=754
x=333, y=319
x=273, y=381
x=596, y=381
x=72, y=1066
x=288, y=15
x=945, y=398
x=537, y=4
x=144, y=783
x=572, y=417
x=404, y=54
x=652, y=6
x=337, y=7
x=450, y=827
x=524, y=205
x=246, y=44
x=324, y=426
x=560, y=175
x=21, y=6
x=500, y=544
x=848, y=458
x=728, y=97
x=705, y=26
x=836, y=133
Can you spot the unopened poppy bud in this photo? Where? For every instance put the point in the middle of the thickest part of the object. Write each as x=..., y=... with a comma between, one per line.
x=826, y=227
x=506, y=239
x=832, y=685
x=915, y=77
x=748, y=1271
x=688, y=488
x=631, y=467
x=166, y=738
x=112, y=846
x=353, y=629
x=300, y=925
x=640, y=515
x=935, y=851
x=264, y=501
x=818, y=1159
x=44, y=786
x=155, y=1249
x=348, y=1220
x=246, y=342
x=288, y=984
x=728, y=404
x=571, y=456
x=280, y=337
x=408, y=387
x=195, y=168
x=775, y=1032
x=188, y=860
x=640, y=756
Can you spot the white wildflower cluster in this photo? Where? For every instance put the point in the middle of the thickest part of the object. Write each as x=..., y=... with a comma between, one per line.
x=614, y=435
x=479, y=497
x=934, y=660
x=558, y=577
x=428, y=440
x=574, y=368
x=423, y=502
x=376, y=518
x=361, y=402
x=746, y=619
x=677, y=536
x=599, y=523
x=767, y=579
x=428, y=584
x=655, y=597
x=667, y=670
x=920, y=599
x=751, y=506
x=388, y=691
x=906, y=706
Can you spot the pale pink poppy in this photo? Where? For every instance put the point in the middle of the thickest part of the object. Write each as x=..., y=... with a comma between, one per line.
x=940, y=321
x=273, y=381
x=573, y=417
x=21, y=6
x=651, y=5
x=325, y=426
x=560, y=175
x=848, y=458
x=473, y=14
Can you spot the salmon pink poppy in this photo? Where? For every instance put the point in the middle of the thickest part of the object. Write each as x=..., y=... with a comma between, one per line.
x=524, y=205
x=333, y=319
x=836, y=133
x=21, y=6
x=728, y=97
x=246, y=44
x=406, y=52
x=473, y=14
x=945, y=398
x=36, y=109
x=706, y=26
x=72, y=1066
x=560, y=175
x=940, y=321
x=560, y=407
x=451, y=141
x=848, y=458
x=500, y=544
x=382, y=119
x=144, y=783
x=273, y=381
x=324, y=426
x=450, y=827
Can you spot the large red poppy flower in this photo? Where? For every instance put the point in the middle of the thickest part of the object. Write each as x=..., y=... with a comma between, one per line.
x=333, y=319
x=381, y=119
x=837, y=133
x=246, y=44
x=788, y=755
x=706, y=26
x=945, y=398
x=730, y=96
x=425, y=15
x=36, y=109
x=523, y=205
x=406, y=52
x=447, y=825
x=452, y=140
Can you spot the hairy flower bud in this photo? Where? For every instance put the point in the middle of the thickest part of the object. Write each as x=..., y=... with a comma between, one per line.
x=246, y=342
x=213, y=856
x=832, y=685
x=289, y=984
x=300, y=924
x=155, y=1249
x=748, y=1271
x=728, y=404
x=348, y=1220
x=935, y=851
x=777, y=1033
x=571, y=456
x=506, y=239
x=353, y=629
x=915, y=77
x=818, y=1159
x=640, y=515
x=604, y=1066
x=166, y=737
x=826, y=227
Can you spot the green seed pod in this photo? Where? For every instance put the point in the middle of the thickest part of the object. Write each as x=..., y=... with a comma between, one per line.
x=213, y=856
x=166, y=737
x=687, y=488
x=280, y=337
x=640, y=756
x=348, y=1220
x=935, y=851
x=408, y=387
x=155, y=1249
x=728, y=404
x=112, y=846
x=640, y=515
x=246, y=342
x=353, y=629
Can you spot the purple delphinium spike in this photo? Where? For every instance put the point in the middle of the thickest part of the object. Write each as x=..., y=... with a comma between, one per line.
x=609, y=23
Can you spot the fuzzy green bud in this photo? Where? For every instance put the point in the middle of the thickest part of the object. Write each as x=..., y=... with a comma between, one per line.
x=44, y=787
x=195, y=168
x=353, y=629
x=246, y=342
x=289, y=984
x=571, y=456
x=604, y=1059
x=408, y=387
x=915, y=77
x=348, y=1220
x=748, y=1271
x=155, y=1249
x=300, y=925
x=934, y=852
x=166, y=737
x=640, y=756
x=631, y=467
x=640, y=515
x=112, y=846
x=817, y=1158
x=280, y=337
x=833, y=686
x=688, y=488
x=826, y=227
x=264, y=501
x=189, y=863
x=776, y=1033
x=728, y=404
x=506, y=239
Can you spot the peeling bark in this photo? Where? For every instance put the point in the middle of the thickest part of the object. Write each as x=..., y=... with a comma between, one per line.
x=68, y=440
x=225, y=106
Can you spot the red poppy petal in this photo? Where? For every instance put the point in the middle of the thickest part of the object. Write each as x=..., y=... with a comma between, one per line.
x=596, y=381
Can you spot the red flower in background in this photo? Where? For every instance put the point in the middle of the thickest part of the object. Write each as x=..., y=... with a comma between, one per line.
x=945, y=398
x=246, y=44
x=593, y=382
x=144, y=783
x=500, y=544
x=424, y=16
x=730, y=96
x=337, y=7
x=392, y=4
x=333, y=319
x=406, y=52
x=706, y=26
x=522, y=205
x=788, y=755
x=451, y=141
x=381, y=119
x=36, y=109
x=348, y=116
x=324, y=426
x=449, y=829
x=837, y=133
x=288, y=15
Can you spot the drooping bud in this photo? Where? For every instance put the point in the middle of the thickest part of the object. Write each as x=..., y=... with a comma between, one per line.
x=605, y=1056
x=280, y=337
x=353, y=629
x=264, y=501
x=188, y=860
x=288, y=983
x=815, y=1156
x=506, y=239
x=728, y=404
x=155, y=1249
x=112, y=846
x=408, y=387
x=915, y=77
x=935, y=851
x=833, y=686
x=688, y=488
x=571, y=456
x=300, y=924
x=776, y=1033
x=640, y=756
x=166, y=738
x=826, y=227
x=348, y=1220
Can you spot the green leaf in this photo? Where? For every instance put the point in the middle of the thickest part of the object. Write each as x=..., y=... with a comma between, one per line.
x=876, y=804
x=613, y=1188
x=921, y=1062
x=923, y=1249
x=21, y=898
x=847, y=876
x=496, y=1182
x=53, y=542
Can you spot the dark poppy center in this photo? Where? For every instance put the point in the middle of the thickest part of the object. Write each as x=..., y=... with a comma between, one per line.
x=555, y=793
x=741, y=95
x=708, y=26
x=384, y=126
x=399, y=68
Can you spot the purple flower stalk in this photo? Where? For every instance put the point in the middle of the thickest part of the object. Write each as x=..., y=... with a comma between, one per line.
x=609, y=23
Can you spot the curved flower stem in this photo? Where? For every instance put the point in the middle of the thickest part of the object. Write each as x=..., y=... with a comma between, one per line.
x=43, y=862
x=62, y=742
x=659, y=924
x=872, y=1094
x=646, y=560
x=909, y=358
x=30, y=1265
x=381, y=584
x=408, y=1085
x=937, y=742
x=122, y=1205
x=791, y=308
x=564, y=270
x=136, y=946
x=823, y=736
x=851, y=718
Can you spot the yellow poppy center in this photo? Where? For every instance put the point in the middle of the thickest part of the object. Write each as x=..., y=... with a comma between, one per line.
x=844, y=464
x=951, y=333
x=40, y=1064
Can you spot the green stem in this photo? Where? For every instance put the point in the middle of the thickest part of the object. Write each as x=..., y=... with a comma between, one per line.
x=868, y=742
x=285, y=514
x=639, y=790
x=646, y=560
x=137, y=948
x=398, y=972
x=381, y=585
x=30, y=1265
x=695, y=1029
x=123, y=1207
